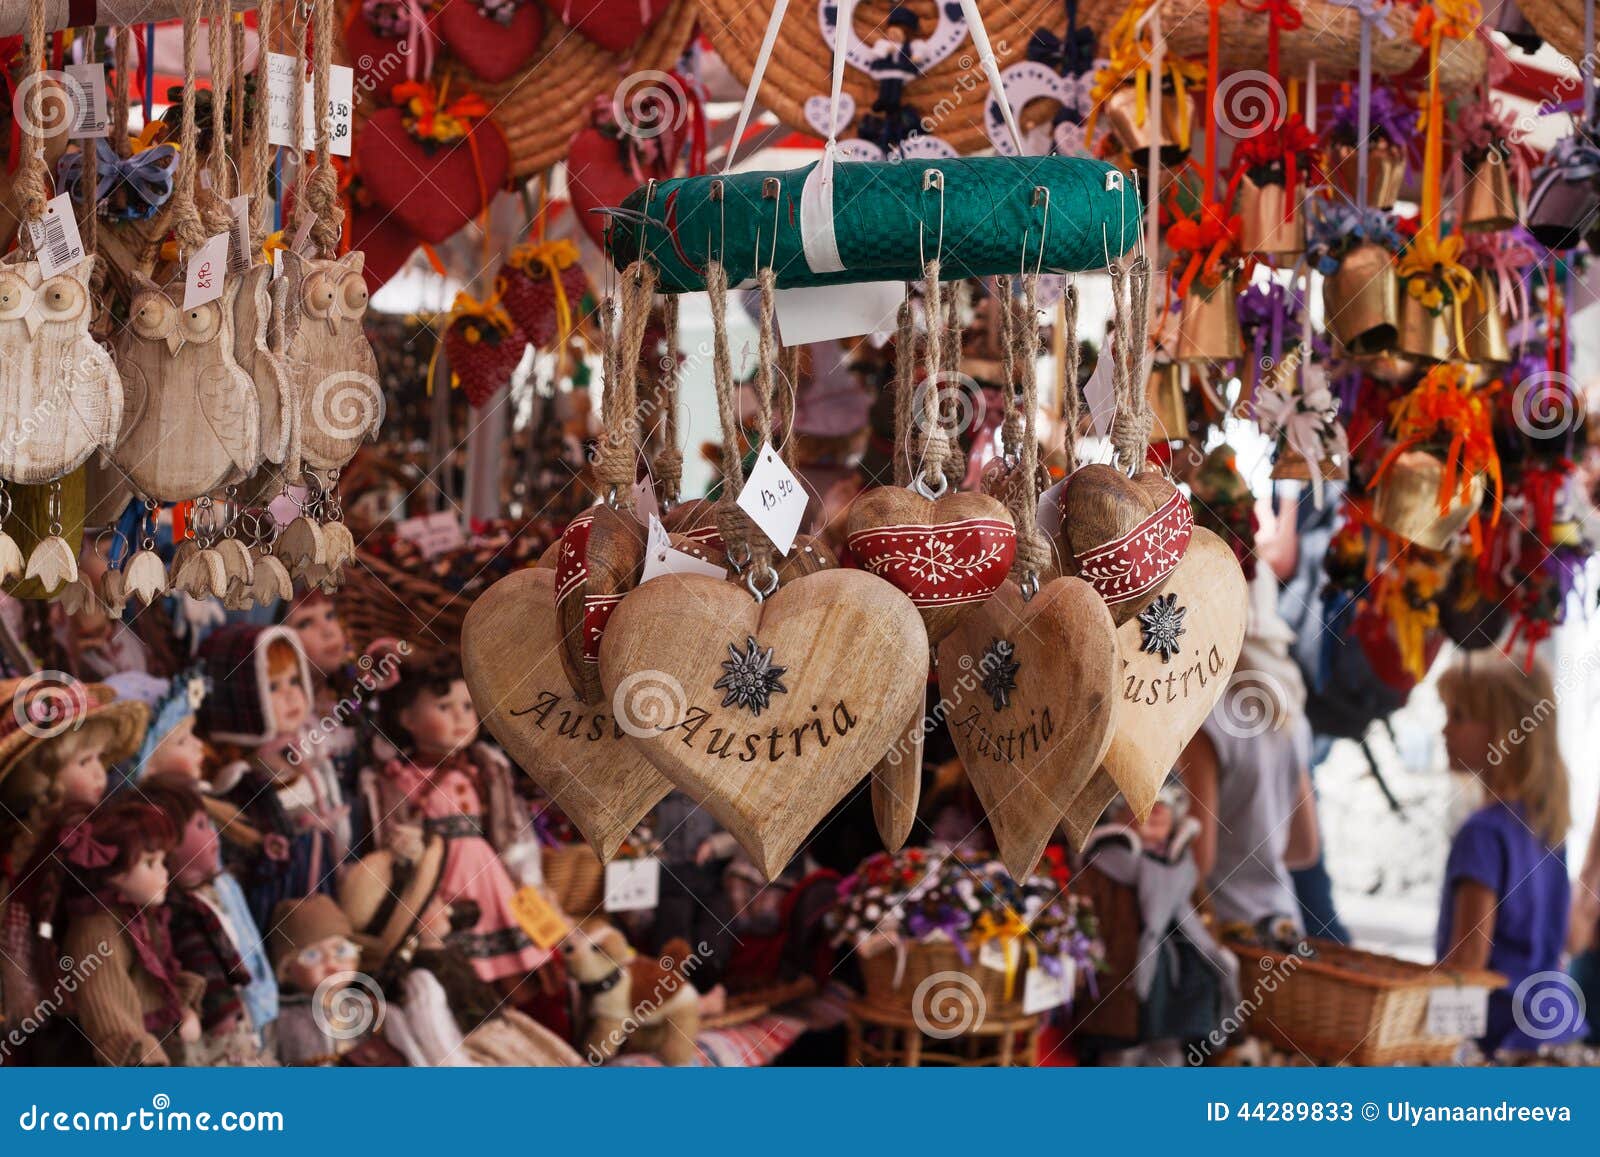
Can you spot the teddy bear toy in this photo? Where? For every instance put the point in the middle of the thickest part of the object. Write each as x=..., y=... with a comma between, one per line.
x=624, y=992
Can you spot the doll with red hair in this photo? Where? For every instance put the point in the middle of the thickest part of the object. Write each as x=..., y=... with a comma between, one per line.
x=98, y=890
x=276, y=798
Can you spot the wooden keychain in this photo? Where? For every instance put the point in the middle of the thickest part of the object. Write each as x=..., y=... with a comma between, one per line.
x=193, y=420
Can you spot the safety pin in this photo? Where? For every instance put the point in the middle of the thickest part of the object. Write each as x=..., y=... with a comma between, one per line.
x=722, y=206
x=1041, y=195
x=932, y=179
x=772, y=189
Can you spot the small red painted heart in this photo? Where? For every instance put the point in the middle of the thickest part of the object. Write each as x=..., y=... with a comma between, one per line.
x=492, y=49
x=434, y=189
x=614, y=25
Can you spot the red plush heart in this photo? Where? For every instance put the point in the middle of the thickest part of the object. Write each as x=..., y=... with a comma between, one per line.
x=600, y=177
x=385, y=240
x=614, y=25
x=435, y=188
x=482, y=356
x=530, y=299
x=492, y=50
x=381, y=61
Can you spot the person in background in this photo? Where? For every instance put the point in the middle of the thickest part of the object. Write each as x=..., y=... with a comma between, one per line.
x=1247, y=772
x=1505, y=900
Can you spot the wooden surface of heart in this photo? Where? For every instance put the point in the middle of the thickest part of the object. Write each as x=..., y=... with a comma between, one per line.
x=1031, y=688
x=511, y=655
x=1099, y=503
x=946, y=554
x=1163, y=703
x=769, y=752
x=601, y=556
x=897, y=782
x=1087, y=809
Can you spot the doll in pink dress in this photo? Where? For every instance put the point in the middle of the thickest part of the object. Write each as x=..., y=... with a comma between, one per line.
x=443, y=782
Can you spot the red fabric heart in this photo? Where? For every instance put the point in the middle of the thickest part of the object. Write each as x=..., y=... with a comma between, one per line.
x=614, y=25
x=482, y=356
x=385, y=241
x=530, y=299
x=492, y=50
x=433, y=189
x=599, y=176
x=381, y=62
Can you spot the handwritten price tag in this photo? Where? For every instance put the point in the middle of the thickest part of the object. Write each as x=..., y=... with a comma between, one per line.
x=774, y=499
x=661, y=557
x=433, y=534
x=202, y=278
x=633, y=885
x=288, y=86
x=1458, y=1011
x=539, y=918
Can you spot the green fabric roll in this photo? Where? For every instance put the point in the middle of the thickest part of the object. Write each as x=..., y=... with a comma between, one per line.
x=885, y=222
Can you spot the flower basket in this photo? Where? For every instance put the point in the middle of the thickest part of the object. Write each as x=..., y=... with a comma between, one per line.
x=1344, y=1006
x=934, y=972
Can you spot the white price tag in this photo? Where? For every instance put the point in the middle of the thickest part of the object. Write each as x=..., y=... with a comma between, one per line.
x=203, y=272
x=340, y=112
x=992, y=955
x=645, y=506
x=1459, y=1011
x=280, y=115
x=56, y=243
x=661, y=557
x=633, y=885
x=1100, y=391
x=1042, y=990
x=302, y=233
x=433, y=534
x=287, y=86
x=826, y=312
x=239, y=256
x=89, y=101
x=774, y=498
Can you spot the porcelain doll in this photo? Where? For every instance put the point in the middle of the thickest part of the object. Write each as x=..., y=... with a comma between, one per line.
x=315, y=957
x=443, y=782
x=98, y=889
x=283, y=819
x=213, y=933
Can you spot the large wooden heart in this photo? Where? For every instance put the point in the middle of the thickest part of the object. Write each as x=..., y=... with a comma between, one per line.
x=437, y=190
x=947, y=554
x=1031, y=688
x=602, y=553
x=1100, y=505
x=785, y=705
x=1177, y=657
x=897, y=782
x=580, y=755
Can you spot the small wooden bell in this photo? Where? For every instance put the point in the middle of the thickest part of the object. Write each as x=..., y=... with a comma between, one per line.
x=1291, y=465
x=1269, y=226
x=1168, y=404
x=1483, y=323
x=1121, y=116
x=1362, y=300
x=1208, y=326
x=1560, y=208
x=1425, y=334
x=1407, y=501
x=1386, y=172
x=1488, y=203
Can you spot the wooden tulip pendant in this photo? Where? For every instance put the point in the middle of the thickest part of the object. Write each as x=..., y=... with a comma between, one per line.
x=1030, y=685
x=780, y=707
x=579, y=754
x=947, y=554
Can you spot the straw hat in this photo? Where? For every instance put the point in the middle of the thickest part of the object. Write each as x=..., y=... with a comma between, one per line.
x=803, y=66
x=48, y=704
x=385, y=895
x=1330, y=34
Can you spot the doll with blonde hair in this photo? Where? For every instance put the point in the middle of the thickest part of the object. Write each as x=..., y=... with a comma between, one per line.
x=1505, y=899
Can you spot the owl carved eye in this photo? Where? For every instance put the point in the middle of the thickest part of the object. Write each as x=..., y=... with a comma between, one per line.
x=15, y=297
x=353, y=294
x=321, y=292
x=152, y=317
x=201, y=323
x=62, y=298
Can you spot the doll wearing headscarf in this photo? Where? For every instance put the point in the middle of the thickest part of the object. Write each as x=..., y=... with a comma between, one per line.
x=99, y=889
x=282, y=816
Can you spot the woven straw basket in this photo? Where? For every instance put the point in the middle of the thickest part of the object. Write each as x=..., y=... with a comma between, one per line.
x=1347, y=1006
x=380, y=600
x=951, y=95
x=1559, y=21
x=540, y=108
x=934, y=962
x=1330, y=34
x=576, y=878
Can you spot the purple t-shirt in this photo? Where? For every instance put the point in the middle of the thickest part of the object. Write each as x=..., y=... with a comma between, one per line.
x=1495, y=848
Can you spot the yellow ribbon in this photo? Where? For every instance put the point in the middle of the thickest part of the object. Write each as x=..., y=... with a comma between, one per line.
x=1433, y=274
x=1413, y=617
x=273, y=243
x=465, y=305
x=1128, y=60
x=550, y=257
x=1011, y=933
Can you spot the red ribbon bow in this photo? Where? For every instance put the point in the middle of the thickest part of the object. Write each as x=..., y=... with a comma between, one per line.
x=1207, y=237
x=80, y=849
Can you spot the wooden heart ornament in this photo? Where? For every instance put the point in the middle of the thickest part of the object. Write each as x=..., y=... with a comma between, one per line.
x=1031, y=689
x=946, y=554
x=1123, y=535
x=511, y=655
x=434, y=187
x=602, y=553
x=783, y=705
x=1177, y=657
x=493, y=48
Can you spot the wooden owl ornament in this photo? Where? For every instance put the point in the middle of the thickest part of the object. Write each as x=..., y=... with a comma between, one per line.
x=333, y=374
x=61, y=398
x=193, y=419
x=255, y=348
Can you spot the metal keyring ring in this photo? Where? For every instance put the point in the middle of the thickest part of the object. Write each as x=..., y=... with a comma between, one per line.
x=772, y=584
x=921, y=487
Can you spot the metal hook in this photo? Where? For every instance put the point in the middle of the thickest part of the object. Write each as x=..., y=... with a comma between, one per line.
x=764, y=592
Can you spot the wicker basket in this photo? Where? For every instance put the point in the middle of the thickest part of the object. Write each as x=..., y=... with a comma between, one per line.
x=380, y=600
x=1344, y=1006
x=576, y=878
x=925, y=961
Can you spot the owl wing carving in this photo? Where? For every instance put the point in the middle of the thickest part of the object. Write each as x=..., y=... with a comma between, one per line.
x=229, y=402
